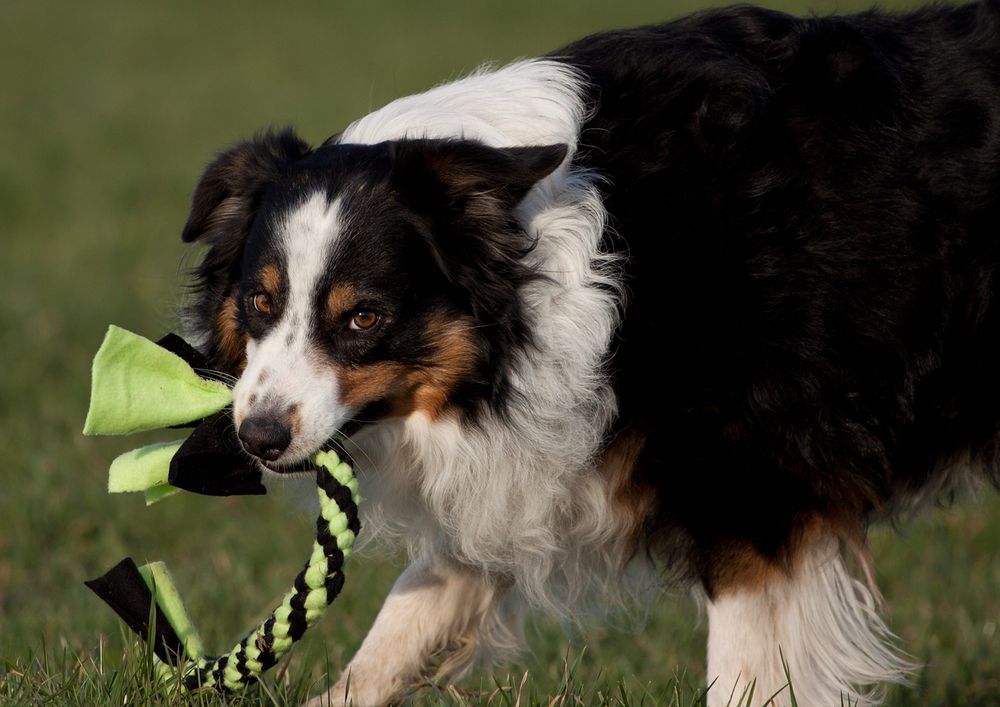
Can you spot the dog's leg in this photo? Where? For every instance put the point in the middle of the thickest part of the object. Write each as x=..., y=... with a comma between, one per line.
x=434, y=606
x=817, y=620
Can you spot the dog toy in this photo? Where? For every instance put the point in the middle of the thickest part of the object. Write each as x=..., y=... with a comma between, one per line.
x=139, y=385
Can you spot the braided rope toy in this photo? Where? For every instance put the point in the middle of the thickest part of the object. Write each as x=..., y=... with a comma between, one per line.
x=138, y=385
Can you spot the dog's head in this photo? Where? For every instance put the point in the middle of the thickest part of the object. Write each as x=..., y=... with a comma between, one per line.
x=353, y=282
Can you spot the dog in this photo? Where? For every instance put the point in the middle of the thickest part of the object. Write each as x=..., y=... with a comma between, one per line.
x=699, y=301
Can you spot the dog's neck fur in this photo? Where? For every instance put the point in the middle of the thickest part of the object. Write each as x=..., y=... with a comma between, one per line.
x=504, y=495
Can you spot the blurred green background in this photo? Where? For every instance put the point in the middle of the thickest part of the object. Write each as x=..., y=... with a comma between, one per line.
x=108, y=112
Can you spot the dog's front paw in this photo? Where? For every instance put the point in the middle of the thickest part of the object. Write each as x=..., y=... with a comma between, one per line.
x=360, y=690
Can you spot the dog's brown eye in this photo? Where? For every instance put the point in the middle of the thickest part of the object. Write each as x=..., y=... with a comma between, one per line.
x=364, y=319
x=262, y=302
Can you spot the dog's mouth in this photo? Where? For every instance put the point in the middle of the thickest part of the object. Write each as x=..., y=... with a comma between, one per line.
x=335, y=444
x=297, y=468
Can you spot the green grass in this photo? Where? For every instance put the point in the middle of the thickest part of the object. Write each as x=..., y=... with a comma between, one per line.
x=108, y=111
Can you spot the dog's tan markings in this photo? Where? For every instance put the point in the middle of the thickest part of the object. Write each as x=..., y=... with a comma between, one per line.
x=409, y=389
x=340, y=300
x=453, y=359
x=231, y=345
x=270, y=279
x=737, y=565
x=361, y=385
x=633, y=499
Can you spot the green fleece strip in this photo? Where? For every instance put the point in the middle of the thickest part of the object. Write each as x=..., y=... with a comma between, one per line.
x=158, y=493
x=143, y=468
x=137, y=385
x=161, y=584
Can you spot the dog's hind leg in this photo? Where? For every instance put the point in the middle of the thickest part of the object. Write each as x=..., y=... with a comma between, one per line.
x=812, y=622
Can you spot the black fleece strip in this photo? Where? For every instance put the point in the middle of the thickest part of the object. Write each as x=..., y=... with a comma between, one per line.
x=334, y=584
x=124, y=590
x=323, y=535
x=241, y=664
x=342, y=495
x=218, y=670
x=297, y=616
x=192, y=357
x=298, y=602
x=267, y=657
x=297, y=624
x=299, y=584
x=196, y=679
x=212, y=462
x=339, y=493
x=326, y=482
x=334, y=555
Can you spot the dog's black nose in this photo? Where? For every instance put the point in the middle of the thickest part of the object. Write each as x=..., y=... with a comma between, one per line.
x=264, y=437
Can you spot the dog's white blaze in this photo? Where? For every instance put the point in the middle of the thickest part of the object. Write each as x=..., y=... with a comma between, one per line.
x=822, y=621
x=284, y=370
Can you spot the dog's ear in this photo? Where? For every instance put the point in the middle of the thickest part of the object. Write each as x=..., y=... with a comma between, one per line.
x=448, y=174
x=222, y=211
x=228, y=192
x=468, y=192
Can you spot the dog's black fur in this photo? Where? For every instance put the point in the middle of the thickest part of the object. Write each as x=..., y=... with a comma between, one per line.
x=810, y=213
x=811, y=210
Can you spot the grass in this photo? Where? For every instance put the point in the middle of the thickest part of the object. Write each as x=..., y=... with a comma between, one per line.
x=109, y=111
x=87, y=680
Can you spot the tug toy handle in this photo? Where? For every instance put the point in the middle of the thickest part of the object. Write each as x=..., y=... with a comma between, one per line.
x=138, y=385
x=178, y=647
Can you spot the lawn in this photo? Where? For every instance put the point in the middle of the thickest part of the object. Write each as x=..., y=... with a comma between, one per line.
x=108, y=111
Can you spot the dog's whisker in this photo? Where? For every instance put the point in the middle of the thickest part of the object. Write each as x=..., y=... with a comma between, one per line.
x=222, y=376
x=359, y=449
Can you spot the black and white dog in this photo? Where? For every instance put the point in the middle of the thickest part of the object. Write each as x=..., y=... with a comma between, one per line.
x=708, y=297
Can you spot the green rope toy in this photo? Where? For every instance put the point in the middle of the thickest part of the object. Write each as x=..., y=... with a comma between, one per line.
x=140, y=385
